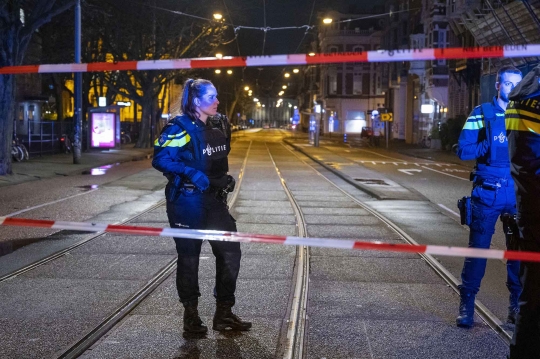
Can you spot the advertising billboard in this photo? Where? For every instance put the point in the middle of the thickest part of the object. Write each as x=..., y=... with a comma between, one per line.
x=103, y=130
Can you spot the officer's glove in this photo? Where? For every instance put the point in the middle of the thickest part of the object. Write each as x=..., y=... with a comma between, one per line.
x=199, y=179
x=231, y=183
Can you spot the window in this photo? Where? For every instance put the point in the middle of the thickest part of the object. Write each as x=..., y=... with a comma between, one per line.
x=357, y=83
x=332, y=49
x=332, y=81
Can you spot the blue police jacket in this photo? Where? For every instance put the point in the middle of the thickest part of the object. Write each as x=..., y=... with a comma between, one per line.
x=485, y=140
x=189, y=142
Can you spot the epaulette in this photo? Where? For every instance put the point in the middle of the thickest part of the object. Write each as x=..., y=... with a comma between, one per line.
x=185, y=123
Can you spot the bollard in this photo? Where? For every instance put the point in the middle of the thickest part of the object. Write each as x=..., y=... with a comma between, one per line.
x=344, y=138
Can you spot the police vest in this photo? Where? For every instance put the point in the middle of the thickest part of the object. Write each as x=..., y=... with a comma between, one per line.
x=207, y=147
x=497, y=155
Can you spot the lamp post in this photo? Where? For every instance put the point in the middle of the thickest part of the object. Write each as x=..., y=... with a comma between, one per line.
x=77, y=115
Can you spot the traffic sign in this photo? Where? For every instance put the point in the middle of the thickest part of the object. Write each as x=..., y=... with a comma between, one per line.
x=387, y=116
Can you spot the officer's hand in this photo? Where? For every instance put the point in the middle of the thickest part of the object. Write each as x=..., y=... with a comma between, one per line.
x=199, y=179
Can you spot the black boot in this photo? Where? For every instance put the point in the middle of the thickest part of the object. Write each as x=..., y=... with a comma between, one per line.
x=192, y=321
x=466, y=309
x=225, y=319
x=513, y=308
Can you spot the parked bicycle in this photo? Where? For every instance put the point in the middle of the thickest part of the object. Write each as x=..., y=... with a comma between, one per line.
x=18, y=150
x=426, y=142
x=66, y=143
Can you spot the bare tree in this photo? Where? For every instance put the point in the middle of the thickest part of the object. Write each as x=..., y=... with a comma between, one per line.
x=19, y=20
x=149, y=33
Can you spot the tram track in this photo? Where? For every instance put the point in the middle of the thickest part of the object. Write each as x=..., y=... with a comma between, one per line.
x=483, y=312
x=107, y=324
x=294, y=340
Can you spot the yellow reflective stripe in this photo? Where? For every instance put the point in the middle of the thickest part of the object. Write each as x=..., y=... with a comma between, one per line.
x=180, y=142
x=473, y=125
x=520, y=112
x=516, y=123
x=177, y=142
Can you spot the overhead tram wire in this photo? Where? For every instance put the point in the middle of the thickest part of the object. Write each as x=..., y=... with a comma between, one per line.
x=264, y=17
x=266, y=28
x=307, y=29
x=234, y=28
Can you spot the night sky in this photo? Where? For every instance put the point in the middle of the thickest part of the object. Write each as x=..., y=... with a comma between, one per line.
x=279, y=13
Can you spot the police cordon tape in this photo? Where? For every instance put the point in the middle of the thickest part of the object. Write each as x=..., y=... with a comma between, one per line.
x=273, y=239
x=410, y=54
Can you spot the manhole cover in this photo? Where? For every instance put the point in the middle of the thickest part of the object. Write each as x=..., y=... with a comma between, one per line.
x=371, y=181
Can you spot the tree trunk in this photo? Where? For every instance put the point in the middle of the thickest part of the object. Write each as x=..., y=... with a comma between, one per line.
x=146, y=118
x=7, y=91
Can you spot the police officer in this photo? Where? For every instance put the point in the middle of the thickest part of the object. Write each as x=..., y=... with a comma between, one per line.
x=523, y=125
x=483, y=138
x=192, y=153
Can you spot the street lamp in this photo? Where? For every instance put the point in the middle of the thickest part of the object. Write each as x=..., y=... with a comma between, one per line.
x=327, y=21
x=246, y=88
x=287, y=74
x=296, y=71
x=311, y=54
x=219, y=55
x=218, y=71
x=218, y=16
x=284, y=87
x=229, y=72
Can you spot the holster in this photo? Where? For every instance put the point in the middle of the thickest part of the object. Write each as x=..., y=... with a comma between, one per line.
x=465, y=210
x=175, y=183
x=511, y=229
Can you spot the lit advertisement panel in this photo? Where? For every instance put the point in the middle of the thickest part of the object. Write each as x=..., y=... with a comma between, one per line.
x=103, y=132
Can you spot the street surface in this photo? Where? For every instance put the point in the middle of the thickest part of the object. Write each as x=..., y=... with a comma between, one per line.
x=360, y=304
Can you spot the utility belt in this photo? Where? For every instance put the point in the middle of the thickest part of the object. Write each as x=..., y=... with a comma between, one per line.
x=491, y=184
x=191, y=187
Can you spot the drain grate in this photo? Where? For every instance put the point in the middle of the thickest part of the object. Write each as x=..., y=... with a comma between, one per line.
x=371, y=181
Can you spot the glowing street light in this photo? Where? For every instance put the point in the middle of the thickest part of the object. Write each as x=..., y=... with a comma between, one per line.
x=255, y=99
x=296, y=71
x=287, y=74
x=281, y=93
x=246, y=88
x=229, y=72
x=284, y=87
x=219, y=55
x=327, y=21
x=311, y=54
x=218, y=71
x=218, y=16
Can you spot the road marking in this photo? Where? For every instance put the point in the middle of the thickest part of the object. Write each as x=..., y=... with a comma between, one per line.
x=446, y=174
x=449, y=210
x=48, y=203
x=409, y=170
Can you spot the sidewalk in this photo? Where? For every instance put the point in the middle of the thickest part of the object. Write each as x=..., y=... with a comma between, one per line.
x=62, y=164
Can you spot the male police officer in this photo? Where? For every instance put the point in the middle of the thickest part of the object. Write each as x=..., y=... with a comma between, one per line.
x=523, y=125
x=484, y=138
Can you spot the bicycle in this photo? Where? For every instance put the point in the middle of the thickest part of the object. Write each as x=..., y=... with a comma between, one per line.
x=18, y=150
x=426, y=142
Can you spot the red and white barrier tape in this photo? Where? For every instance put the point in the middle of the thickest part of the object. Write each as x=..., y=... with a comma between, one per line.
x=286, y=60
x=273, y=239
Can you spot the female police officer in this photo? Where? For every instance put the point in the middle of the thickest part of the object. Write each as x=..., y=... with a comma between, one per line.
x=192, y=154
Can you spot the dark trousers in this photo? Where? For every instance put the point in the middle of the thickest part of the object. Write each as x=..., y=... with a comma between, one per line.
x=487, y=206
x=195, y=210
x=526, y=340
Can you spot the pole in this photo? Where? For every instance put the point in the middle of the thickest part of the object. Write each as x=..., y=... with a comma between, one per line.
x=77, y=115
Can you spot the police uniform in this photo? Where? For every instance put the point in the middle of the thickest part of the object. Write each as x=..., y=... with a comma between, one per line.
x=185, y=144
x=484, y=138
x=523, y=125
